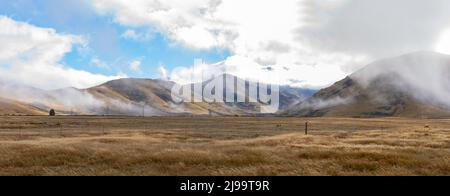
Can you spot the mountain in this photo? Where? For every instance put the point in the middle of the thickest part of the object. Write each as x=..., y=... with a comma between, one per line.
x=128, y=97
x=11, y=107
x=64, y=101
x=157, y=98
x=412, y=85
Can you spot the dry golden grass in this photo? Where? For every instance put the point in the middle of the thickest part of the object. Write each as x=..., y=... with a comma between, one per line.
x=222, y=146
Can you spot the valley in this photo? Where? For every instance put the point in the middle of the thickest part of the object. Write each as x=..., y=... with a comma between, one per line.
x=161, y=146
x=380, y=120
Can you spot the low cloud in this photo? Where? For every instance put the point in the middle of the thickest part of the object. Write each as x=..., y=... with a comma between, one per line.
x=424, y=75
x=319, y=104
x=163, y=72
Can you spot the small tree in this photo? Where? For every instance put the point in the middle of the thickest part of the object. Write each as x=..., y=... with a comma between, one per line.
x=52, y=112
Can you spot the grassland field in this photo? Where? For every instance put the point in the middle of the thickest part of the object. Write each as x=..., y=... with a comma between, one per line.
x=236, y=146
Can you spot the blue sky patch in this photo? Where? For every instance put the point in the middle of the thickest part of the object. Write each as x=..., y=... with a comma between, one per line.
x=108, y=51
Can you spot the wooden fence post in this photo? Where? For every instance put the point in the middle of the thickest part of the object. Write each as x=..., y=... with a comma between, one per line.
x=306, y=128
x=60, y=129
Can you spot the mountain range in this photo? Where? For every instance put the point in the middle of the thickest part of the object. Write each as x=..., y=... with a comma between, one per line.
x=129, y=97
x=411, y=85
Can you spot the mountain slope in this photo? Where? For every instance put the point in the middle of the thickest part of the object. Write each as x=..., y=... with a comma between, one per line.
x=412, y=85
x=11, y=107
x=157, y=98
x=126, y=97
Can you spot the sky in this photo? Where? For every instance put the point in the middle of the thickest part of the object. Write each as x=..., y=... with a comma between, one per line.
x=52, y=44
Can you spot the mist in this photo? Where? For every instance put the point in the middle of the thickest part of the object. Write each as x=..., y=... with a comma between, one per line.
x=73, y=101
x=424, y=75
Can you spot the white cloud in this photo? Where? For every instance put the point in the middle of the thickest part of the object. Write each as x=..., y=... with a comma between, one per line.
x=130, y=34
x=136, y=36
x=205, y=24
x=163, y=72
x=300, y=75
x=135, y=65
x=319, y=42
x=381, y=28
x=30, y=55
x=99, y=63
x=443, y=45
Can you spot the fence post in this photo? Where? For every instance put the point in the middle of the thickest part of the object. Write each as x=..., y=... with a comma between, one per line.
x=60, y=129
x=306, y=128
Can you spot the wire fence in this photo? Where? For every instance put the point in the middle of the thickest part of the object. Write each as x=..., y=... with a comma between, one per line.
x=221, y=128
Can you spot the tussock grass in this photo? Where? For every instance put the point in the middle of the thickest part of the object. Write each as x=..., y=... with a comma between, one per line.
x=222, y=146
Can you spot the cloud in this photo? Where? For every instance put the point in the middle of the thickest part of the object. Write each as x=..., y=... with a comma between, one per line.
x=184, y=21
x=255, y=72
x=30, y=55
x=130, y=34
x=430, y=83
x=136, y=36
x=264, y=37
x=379, y=28
x=443, y=45
x=99, y=63
x=135, y=66
x=318, y=41
x=163, y=72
